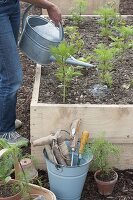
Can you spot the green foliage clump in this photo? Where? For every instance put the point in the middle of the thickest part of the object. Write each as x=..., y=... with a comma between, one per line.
x=102, y=150
x=80, y=8
x=64, y=73
x=124, y=38
x=105, y=56
x=7, y=161
x=74, y=38
x=108, y=18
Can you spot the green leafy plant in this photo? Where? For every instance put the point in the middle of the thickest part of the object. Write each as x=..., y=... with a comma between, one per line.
x=8, y=161
x=64, y=73
x=124, y=38
x=80, y=8
x=131, y=83
x=74, y=38
x=102, y=151
x=6, y=164
x=108, y=18
x=105, y=57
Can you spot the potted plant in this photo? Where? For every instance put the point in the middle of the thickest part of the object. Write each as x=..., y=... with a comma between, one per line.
x=18, y=188
x=105, y=176
x=9, y=189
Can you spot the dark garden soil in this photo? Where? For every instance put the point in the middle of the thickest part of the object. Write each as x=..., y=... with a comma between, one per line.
x=126, y=7
x=124, y=187
x=81, y=89
x=9, y=190
x=106, y=176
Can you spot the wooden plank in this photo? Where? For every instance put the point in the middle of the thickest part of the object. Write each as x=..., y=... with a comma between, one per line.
x=115, y=120
x=93, y=5
x=36, y=85
x=125, y=161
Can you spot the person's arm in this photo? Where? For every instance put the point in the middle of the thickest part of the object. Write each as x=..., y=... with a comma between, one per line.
x=53, y=11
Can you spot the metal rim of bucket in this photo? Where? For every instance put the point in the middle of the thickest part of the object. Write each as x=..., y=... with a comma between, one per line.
x=48, y=21
x=60, y=166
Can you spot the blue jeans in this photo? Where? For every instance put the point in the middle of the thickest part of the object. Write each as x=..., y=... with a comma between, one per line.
x=10, y=67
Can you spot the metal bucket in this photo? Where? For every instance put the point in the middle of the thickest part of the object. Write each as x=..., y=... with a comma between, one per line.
x=67, y=182
x=38, y=35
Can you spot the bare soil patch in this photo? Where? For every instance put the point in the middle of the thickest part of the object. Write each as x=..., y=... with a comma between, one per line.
x=126, y=7
x=80, y=90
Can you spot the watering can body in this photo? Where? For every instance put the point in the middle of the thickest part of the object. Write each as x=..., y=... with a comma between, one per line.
x=38, y=35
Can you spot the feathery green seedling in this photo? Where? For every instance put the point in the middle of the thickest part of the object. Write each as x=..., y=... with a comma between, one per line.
x=80, y=8
x=9, y=160
x=65, y=73
x=102, y=150
x=105, y=56
x=74, y=38
x=124, y=38
x=108, y=18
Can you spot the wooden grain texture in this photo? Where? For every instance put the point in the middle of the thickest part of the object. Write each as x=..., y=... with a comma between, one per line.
x=67, y=5
x=125, y=160
x=115, y=120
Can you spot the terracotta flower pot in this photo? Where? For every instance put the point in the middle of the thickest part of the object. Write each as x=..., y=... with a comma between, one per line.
x=105, y=187
x=37, y=190
x=14, y=197
x=29, y=168
x=32, y=196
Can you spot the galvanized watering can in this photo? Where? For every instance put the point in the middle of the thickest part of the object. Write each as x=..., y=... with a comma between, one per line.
x=38, y=35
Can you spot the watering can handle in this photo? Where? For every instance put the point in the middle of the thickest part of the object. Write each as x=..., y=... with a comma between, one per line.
x=61, y=32
x=25, y=15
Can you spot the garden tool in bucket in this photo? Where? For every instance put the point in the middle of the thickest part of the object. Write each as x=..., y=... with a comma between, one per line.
x=55, y=146
x=66, y=181
x=38, y=35
x=74, y=133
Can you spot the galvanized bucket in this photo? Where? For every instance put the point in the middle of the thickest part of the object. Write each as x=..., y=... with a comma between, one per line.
x=67, y=182
x=38, y=35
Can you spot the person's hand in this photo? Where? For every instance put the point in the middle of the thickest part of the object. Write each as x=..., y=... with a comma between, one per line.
x=54, y=14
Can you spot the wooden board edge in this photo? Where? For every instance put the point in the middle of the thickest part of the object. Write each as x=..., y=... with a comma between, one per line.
x=36, y=86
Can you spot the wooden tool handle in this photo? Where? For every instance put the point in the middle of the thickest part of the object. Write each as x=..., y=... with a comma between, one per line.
x=83, y=141
x=44, y=140
x=50, y=153
x=58, y=155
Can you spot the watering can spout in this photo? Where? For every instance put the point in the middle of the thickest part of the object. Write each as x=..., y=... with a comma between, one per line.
x=72, y=61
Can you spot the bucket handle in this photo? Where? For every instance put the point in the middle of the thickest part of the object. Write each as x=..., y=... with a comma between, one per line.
x=61, y=32
x=59, y=168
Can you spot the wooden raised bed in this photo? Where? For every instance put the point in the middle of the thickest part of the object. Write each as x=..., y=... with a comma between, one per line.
x=93, y=5
x=115, y=120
